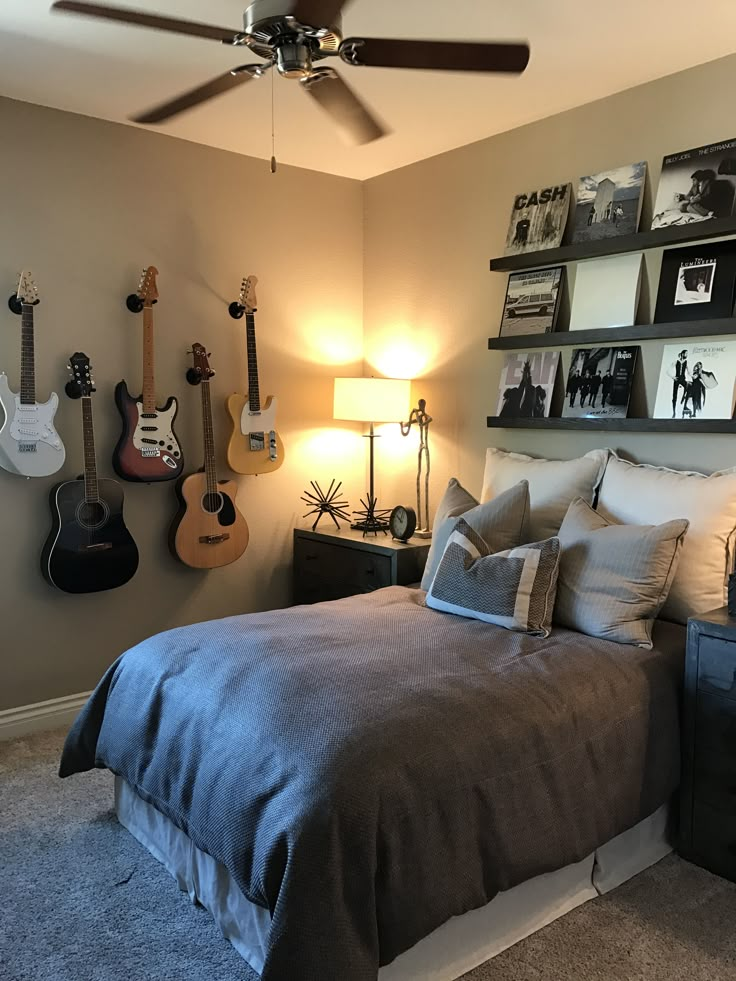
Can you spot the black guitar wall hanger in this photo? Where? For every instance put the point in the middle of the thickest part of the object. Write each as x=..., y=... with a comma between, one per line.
x=236, y=310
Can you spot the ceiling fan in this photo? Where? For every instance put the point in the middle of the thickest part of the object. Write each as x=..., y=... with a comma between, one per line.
x=291, y=35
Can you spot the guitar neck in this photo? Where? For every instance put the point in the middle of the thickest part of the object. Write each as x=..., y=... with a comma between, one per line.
x=27, y=357
x=209, y=439
x=254, y=396
x=149, y=387
x=91, y=490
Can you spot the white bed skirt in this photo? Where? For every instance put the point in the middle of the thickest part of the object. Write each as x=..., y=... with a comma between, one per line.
x=458, y=946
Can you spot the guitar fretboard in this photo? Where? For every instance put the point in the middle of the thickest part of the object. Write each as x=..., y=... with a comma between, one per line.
x=91, y=491
x=27, y=357
x=149, y=388
x=209, y=439
x=254, y=397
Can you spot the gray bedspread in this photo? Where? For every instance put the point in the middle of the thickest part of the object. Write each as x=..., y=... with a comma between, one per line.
x=367, y=768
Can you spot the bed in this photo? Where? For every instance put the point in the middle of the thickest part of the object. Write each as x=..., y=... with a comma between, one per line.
x=369, y=789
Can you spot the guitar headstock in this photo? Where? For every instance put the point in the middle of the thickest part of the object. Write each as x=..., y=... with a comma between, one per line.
x=82, y=383
x=27, y=291
x=201, y=370
x=247, y=299
x=147, y=288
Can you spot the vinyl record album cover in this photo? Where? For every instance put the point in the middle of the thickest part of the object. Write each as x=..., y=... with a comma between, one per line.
x=527, y=383
x=609, y=203
x=697, y=283
x=599, y=382
x=696, y=381
x=532, y=302
x=538, y=219
x=606, y=292
x=696, y=185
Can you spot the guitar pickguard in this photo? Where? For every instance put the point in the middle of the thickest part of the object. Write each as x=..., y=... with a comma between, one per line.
x=154, y=436
x=33, y=424
x=260, y=427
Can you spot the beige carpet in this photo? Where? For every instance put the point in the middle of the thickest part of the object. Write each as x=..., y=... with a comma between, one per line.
x=83, y=901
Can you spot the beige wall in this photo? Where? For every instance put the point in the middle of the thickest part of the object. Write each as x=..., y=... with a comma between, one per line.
x=86, y=204
x=431, y=228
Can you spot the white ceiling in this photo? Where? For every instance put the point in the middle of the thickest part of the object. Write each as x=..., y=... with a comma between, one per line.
x=581, y=50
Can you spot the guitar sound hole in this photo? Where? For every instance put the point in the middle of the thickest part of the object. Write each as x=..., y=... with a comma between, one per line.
x=92, y=514
x=212, y=503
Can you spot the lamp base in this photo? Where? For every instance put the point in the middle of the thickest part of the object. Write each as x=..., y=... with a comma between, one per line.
x=422, y=533
x=371, y=520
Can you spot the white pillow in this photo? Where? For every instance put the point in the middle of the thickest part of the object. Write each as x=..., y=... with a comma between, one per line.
x=553, y=484
x=641, y=494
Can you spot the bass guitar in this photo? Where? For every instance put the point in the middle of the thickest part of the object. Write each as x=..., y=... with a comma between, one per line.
x=255, y=446
x=208, y=530
x=29, y=443
x=89, y=548
x=148, y=449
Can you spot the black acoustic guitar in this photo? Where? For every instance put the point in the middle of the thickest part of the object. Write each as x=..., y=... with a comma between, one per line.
x=89, y=548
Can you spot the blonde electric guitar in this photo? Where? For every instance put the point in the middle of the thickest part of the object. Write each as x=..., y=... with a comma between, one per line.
x=255, y=446
x=208, y=531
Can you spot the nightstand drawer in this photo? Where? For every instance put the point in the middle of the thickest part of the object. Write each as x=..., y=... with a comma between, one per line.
x=717, y=666
x=714, y=776
x=353, y=570
x=714, y=840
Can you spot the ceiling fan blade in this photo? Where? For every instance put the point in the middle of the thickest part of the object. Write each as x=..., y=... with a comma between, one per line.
x=142, y=19
x=188, y=100
x=346, y=110
x=317, y=13
x=456, y=56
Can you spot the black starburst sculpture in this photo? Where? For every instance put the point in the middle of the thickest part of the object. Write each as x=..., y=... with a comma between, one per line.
x=321, y=503
x=370, y=520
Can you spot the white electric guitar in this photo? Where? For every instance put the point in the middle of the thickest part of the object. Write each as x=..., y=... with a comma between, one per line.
x=29, y=443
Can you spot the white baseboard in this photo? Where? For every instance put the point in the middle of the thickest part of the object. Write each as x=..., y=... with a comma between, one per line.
x=56, y=712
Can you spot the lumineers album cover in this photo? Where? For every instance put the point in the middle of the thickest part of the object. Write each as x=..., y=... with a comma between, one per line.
x=697, y=185
x=609, y=204
x=538, y=219
x=532, y=302
x=599, y=382
x=696, y=381
x=527, y=383
x=697, y=283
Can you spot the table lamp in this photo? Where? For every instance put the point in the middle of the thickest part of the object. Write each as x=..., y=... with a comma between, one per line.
x=371, y=400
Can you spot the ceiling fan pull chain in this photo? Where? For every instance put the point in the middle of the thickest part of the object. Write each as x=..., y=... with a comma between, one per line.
x=273, y=127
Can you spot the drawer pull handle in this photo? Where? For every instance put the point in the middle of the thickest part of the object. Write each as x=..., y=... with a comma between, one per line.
x=310, y=558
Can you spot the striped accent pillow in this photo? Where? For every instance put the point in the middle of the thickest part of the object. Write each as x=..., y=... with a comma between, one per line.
x=513, y=589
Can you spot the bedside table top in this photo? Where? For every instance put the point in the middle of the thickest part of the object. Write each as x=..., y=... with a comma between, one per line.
x=723, y=624
x=372, y=543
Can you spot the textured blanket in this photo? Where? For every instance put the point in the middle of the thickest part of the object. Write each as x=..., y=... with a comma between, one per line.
x=368, y=768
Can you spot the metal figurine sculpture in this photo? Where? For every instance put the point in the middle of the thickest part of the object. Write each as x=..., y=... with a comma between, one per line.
x=422, y=419
x=322, y=503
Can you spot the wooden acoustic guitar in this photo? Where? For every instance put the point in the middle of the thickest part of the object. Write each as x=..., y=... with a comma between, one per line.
x=208, y=530
x=255, y=446
x=89, y=548
x=148, y=449
x=29, y=443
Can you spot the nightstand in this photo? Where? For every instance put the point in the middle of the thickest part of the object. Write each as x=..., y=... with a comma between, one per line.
x=329, y=566
x=708, y=792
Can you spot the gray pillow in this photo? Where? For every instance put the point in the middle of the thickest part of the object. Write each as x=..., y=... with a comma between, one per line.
x=614, y=579
x=514, y=589
x=501, y=523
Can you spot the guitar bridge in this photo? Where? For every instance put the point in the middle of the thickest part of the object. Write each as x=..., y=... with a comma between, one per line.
x=257, y=441
x=99, y=547
x=26, y=447
x=213, y=539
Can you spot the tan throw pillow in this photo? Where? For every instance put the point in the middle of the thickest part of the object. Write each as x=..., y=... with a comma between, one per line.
x=553, y=484
x=614, y=578
x=514, y=589
x=501, y=523
x=639, y=493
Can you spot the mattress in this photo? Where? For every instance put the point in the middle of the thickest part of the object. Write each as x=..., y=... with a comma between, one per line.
x=448, y=952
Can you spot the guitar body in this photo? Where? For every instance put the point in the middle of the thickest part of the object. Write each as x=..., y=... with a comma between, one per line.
x=204, y=539
x=89, y=548
x=148, y=449
x=241, y=456
x=29, y=443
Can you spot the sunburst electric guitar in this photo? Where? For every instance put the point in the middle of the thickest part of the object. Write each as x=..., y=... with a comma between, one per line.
x=255, y=446
x=29, y=443
x=148, y=449
x=208, y=530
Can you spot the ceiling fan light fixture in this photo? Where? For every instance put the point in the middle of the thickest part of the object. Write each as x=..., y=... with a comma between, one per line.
x=293, y=59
